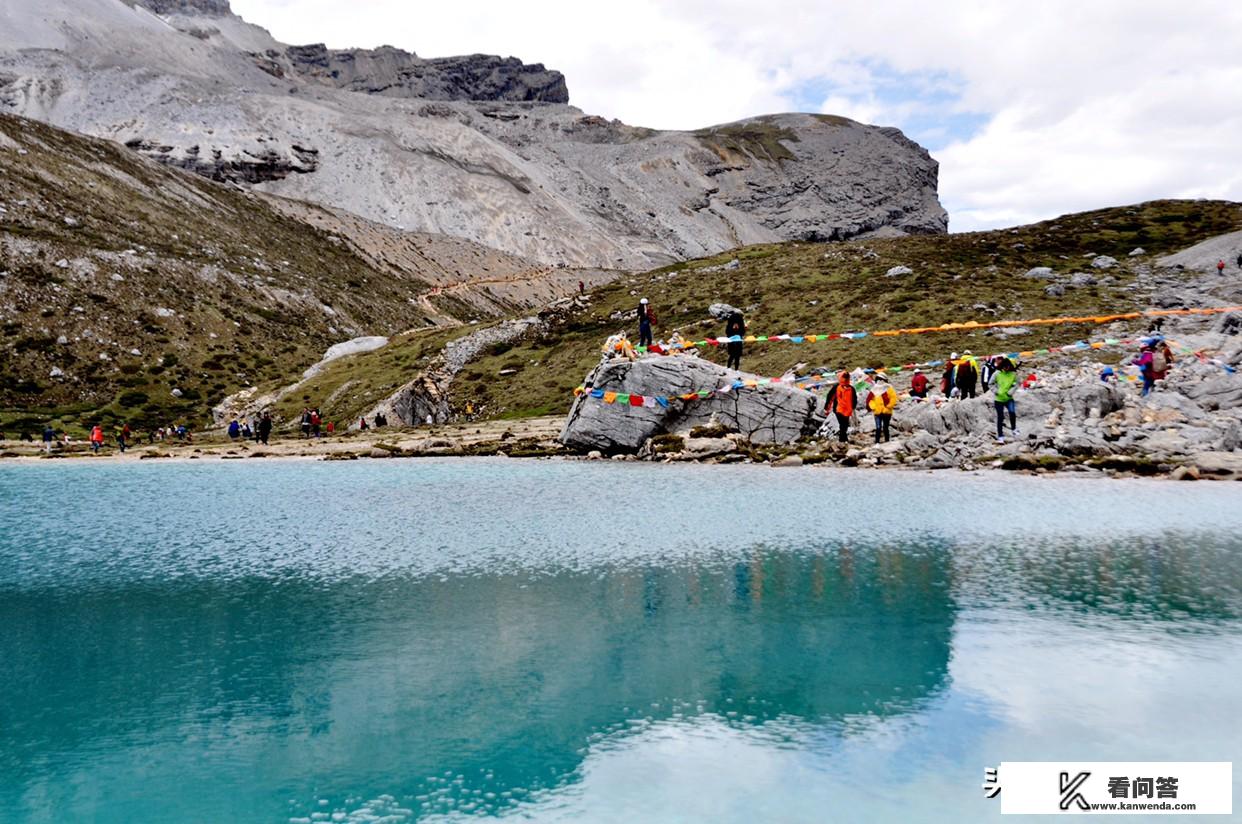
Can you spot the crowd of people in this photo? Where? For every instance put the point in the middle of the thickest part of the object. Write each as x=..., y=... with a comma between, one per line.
x=964, y=376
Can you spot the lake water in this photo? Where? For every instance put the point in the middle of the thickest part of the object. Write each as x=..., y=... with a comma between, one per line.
x=593, y=642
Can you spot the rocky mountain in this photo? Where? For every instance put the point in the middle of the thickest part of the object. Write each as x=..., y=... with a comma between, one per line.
x=483, y=148
x=130, y=286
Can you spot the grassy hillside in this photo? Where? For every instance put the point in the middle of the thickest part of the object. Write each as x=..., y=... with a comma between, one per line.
x=122, y=280
x=800, y=288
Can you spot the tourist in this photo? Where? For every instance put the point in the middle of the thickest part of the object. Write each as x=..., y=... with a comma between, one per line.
x=123, y=438
x=331, y=427
x=254, y=426
x=316, y=422
x=646, y=319
x=246, y=432
x=1161, y=359
x=380, y=420
x=1240, y=260
x=362, y=424
x=234, y=430
x=947, y=387
x=581, y=288
x=1004, y=382
x=882, y=400
x=1144, y=362
x=306, y=422
x=918, y=384
x=1220, y=267
x=1108, y=375
x=265, y=427
x=842, y=400
x=736, y=327
x=966, y=377
x=49, y=435
x=97, y=438
x=469, y=411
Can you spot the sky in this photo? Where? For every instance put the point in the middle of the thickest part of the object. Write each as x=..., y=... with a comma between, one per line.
x=1032, y=109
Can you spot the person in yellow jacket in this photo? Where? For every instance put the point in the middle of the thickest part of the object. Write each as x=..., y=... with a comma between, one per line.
x=882, y=400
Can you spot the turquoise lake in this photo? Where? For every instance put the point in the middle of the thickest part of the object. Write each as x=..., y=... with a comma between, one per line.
x=405, y=641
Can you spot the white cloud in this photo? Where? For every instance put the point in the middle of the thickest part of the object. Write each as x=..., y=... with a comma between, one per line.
x=1083, y=105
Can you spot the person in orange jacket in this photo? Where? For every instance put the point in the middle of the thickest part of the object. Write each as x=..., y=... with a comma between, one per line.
x=842, y=400
x=97, y=438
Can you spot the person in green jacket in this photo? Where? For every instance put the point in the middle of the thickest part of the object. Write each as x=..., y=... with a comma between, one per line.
x=1005, y=381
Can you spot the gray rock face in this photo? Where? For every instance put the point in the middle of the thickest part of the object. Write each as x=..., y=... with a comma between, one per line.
x=767, y=414
x=475, y=147
x=209, y=8
x=396, y=73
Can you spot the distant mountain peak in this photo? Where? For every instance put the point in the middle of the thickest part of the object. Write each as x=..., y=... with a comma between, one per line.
x=207, y=8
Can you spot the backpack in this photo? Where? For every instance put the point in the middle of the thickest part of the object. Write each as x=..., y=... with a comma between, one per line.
x=1159, y=363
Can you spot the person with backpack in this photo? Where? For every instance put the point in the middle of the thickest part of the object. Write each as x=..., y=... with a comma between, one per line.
x=842, y=400
x=947, y=385
x=882, y=400
x=234, y=430
x=1144, y=362
x=736, y=327
x=306, y=422
x=1161, y=360
x=646, y=319
x=918, y=384
x=1004, y=383
x=966, y=378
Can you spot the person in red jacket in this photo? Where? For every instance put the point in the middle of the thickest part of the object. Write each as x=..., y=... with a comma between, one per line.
x=96, y=438
x=918, y=384
x=842, y=400
x=1220, y=267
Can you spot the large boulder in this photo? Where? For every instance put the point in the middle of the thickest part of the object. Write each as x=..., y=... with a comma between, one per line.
x=775, y=413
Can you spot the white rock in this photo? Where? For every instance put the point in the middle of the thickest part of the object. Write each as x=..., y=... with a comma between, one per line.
x=1104, y=262
x=1139, y=251
x=135, y=352
x=103, y=356
x=118, y=278
x=176, y=393
x=62, y=340
x=56, y=372
x=72, y=223
x=896, y=271
x=1039, y=272
x=62, y=264
x=164, y=312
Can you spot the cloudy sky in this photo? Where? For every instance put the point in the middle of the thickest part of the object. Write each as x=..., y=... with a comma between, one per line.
x=1032, y=109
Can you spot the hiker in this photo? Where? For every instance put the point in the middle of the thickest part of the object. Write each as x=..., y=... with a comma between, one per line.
x=246, y=432
x=966, y=377
x=265, y=427
x=316, y=420
x=581, y=288
x=380, y=420
x=362, y=425
x=918, y=384
x=1240, y=260
x=123, y=439
x=646, y=318
x=842, y=399
x=1220, y=267
x=882, y=400
x=1143, y=362
x=49, y=435
x=1161, y=359
x=234, y=430
x=331, y=428
x=1004, y=383
x=470, y=411
x=736, y=327
x=97, y=438
x=947, y=387
x=306, y=422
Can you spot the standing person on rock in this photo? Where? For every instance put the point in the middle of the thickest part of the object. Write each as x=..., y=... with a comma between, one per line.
x=49, y=435
x=735, y=327
x=306, y=422
x=1144, y=362
x=947, y=385
x=966, y=377
x=1161, y=359
x=124, y=438
x=882, y=400
x=1004, y=384
x=646, y=319
x=97, y=438
x=842, y=400
x=1220, y=267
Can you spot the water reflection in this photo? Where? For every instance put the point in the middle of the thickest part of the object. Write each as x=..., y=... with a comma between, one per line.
x=502, y=680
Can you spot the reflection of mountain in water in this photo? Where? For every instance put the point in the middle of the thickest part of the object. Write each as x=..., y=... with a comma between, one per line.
x=372, y=686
